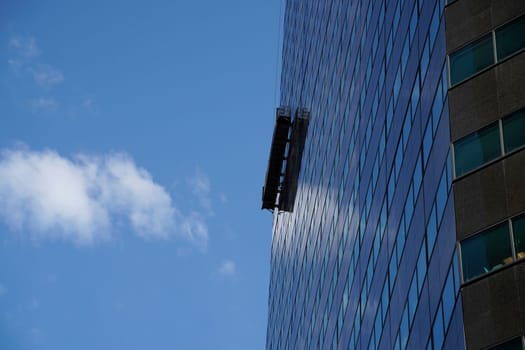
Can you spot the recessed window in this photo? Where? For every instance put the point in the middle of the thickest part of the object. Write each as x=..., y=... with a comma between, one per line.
x=514, y=131
x=518, y=227
x=510, y=38
x=486, y=252
x=477, y=149
x=471, y=59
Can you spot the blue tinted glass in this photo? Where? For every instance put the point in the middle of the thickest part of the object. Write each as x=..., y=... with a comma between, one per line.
x=437, y=330
x=389, y=114
x=510, y=38
x=397, y=84
x=434, y=26
x=486, y=252
x=427, y=142
x=437, y=107
x=412, y=297
x=477, y=149
x=407, y=125
x=449, y=297
x=391, y=189
x=399, y=160
x=421, y=267
x=471, y=59
x=392, y=270
x=425, y=58
x=431, y=231
x=514, y=130
x=388, y=48
x=441, y=196
x=404, y=54
x=518, y=228
x=403, y=329
x=413, y=23
x=397, y=14
x=415, y=95
x=417, y=177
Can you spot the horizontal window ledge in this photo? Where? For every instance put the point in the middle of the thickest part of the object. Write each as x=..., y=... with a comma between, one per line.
x=486, y=165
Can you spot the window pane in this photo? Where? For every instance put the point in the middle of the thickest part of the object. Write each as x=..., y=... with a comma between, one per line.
x=477, y=149
x=471, y=59
x=514, y=344
x=486, y=252
x=518, y=226
x=514, y=131
x=510, y=38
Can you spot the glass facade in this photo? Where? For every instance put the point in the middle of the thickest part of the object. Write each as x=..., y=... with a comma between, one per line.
x=367, y=258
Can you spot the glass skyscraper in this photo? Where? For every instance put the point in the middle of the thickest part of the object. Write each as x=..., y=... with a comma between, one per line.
x=369, y=248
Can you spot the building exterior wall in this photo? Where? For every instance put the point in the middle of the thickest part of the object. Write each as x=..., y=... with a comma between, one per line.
x=492, y=194
x=367, y=258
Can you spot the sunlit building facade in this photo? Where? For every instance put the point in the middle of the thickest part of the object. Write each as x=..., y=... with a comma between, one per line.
x=369, y=248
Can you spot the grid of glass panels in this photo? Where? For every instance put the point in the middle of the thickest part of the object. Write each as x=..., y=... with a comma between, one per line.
x=373, y=221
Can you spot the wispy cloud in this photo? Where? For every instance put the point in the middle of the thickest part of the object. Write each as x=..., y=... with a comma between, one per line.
x=45, y=75
x=24, y=46
x=3, y=290
x=227, y=268
x=43, y=104
x=85, y=198
x=25, y=62
x=201, y=187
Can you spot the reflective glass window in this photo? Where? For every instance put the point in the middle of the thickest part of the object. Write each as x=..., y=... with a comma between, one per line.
x=476, y=149
x=449, y=297
x=471, y=59
x=518, y=227
x=441, y=196
x=425, y=58
x=421, y=267
x=486, y=251
x=407, y=126
x=404, y=328
x=437, y=331
x=412, y=298
x=431, y=231
x=413, y=23
x=434, y=25
x=510, y=38
x=427, y=142
x=514, y=131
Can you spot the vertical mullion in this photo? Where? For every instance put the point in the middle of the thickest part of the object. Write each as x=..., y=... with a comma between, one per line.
x=501, y=143
x=495, y=51
x=512, y=244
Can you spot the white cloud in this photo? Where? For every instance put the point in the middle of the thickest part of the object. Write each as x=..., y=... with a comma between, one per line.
x=227, y=268
x=3, y=290
x=24, y=46
x=45, y=75
x=84, y=198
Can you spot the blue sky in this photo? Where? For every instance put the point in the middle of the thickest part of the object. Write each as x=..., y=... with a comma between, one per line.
x=133, y=146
